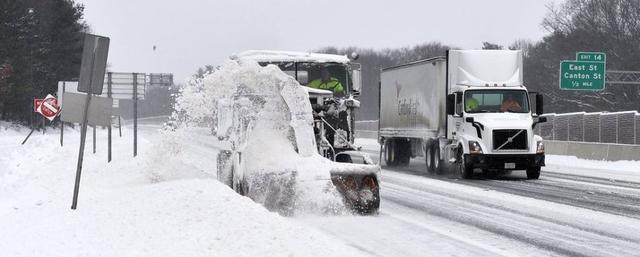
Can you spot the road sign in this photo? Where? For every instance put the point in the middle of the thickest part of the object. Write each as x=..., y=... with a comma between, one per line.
x=94, y=63
x=585, y=73
x=591, y=57
x=161, y=79
x=122, y=85
x=47, y=107
x=100, y=109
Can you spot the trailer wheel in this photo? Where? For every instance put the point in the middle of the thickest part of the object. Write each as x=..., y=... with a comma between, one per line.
x=429, y=158
x=389, y=152
x=533, y=173
x=437, y=163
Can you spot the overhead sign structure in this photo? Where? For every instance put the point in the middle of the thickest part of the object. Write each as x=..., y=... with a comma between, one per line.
x=94, y=64
x=587, y=72
x=161, y=79
x=47, y=107
x=122, y=85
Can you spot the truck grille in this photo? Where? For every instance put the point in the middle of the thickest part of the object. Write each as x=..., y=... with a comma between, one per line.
x=501, y=136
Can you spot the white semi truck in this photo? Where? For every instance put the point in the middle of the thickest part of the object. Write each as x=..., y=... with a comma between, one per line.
x=465, y=111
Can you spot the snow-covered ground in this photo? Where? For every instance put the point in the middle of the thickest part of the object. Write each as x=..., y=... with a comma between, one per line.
x=165, y=202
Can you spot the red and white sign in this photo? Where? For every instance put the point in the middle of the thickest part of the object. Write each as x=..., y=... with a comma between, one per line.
x=48, y=107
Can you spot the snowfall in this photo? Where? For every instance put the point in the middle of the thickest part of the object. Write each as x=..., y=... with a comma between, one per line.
x=164, y=202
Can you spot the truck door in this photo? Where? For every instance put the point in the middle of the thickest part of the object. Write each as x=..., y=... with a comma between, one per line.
x=454, y=122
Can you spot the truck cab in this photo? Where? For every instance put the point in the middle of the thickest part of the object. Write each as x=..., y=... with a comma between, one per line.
x=492, y=127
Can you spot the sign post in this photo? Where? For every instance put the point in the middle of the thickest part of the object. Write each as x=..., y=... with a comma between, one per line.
x=62, y=122
x=109, y=128
x=587, y=72
x=135, y=114
x=92, y=69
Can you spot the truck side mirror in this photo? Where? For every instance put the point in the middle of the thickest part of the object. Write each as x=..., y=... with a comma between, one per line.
x=539, y=105
x=469, y=119
x=451, y=104
x=542, y=119
x=356, y=80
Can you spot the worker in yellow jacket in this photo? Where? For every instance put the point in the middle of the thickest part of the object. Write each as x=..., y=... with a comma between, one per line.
x=326, y=82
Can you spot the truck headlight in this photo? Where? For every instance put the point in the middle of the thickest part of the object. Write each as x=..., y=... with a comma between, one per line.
x=540, y=147
x=474, y=147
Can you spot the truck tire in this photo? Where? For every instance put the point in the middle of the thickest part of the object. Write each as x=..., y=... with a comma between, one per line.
x=437, y=163
x=533, y=173
x=464, y=171
x=429, y=158
x=390, y=152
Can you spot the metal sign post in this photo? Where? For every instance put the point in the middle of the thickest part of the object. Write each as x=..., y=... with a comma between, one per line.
x=94, y=61
x=94, y=139
x=135, y=114
x=62, y=122
x=109, y=128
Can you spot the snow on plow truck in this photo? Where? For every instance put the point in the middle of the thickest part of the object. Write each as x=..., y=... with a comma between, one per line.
x=465, y=111
x=316, y=121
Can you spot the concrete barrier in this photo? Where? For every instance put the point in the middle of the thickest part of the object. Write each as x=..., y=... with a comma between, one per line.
x=593, y=151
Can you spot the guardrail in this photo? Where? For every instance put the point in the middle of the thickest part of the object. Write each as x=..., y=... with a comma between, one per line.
x=593, y=151
x=595, y=127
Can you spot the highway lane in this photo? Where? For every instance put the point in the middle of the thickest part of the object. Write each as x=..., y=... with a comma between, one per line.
x=508, y=215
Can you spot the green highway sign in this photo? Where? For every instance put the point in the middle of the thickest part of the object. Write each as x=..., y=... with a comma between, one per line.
x=591, y=57
x=587, y=72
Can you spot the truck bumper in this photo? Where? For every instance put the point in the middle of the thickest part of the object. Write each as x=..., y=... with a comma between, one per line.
x=504, y=161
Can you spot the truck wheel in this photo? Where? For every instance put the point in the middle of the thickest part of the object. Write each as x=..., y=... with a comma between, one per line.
x=437, y=163
x=429, y=158
x=389, y=152
x=464, y=172
x=533, y=173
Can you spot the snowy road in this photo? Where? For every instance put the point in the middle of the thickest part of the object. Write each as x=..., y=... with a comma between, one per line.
x=560, y=214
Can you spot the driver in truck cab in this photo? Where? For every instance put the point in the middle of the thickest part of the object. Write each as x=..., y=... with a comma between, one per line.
x=471, y=104
x=326, y=82
x=510, y=104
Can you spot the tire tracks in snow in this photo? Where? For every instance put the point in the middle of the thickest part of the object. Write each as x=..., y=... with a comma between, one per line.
x=560, y=237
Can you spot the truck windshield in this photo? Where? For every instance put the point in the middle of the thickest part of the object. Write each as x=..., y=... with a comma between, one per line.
x=477, y=101
x=336, y=75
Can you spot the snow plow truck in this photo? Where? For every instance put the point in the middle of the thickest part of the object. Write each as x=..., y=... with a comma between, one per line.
x=317, y=122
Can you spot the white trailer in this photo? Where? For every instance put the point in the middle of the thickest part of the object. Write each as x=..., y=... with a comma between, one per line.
x=469, y=108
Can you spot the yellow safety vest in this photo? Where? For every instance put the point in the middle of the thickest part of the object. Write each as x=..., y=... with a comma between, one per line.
x=333, y=84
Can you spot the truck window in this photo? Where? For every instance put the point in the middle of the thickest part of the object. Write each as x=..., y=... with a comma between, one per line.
x=477, y=101
x=306, y=72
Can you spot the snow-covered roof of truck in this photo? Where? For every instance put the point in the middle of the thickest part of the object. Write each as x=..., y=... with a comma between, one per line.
x=287, y=56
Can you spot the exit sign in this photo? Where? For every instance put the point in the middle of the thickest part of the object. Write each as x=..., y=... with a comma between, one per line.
x=587, y=72
x=591, y=57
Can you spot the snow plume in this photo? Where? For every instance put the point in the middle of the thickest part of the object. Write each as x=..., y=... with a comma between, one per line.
x=263, y=118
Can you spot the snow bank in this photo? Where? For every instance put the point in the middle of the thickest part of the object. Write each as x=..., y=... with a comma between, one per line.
x=165, y=202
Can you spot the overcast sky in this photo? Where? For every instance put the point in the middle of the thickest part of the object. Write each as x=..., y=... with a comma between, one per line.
x=191, y=33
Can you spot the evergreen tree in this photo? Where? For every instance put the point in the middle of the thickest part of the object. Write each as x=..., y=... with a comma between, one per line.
x=41, y=41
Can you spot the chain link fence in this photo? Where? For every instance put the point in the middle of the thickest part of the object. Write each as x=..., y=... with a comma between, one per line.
x=598, y=127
